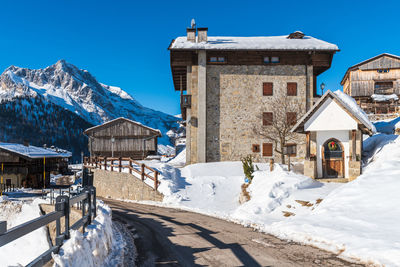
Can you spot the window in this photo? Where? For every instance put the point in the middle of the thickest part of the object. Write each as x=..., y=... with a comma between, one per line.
x=291, y=147
x=382, y=70
x=267, y=150
x=268, y=89
x=383, y=88
x=291, y=118
x=268, y=118
x=217, y=59
x=268, y=60
x=292, y=89
x=256, y=148
x=274, y=59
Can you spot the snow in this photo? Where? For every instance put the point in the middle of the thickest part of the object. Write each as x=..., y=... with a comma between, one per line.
x=383, y=98
x=121, y=118
x=93, y=247
x=351, y=104
x=255, y=43
x=32, y=244
x=165, y=150
x=33, y=151
x=356, y=220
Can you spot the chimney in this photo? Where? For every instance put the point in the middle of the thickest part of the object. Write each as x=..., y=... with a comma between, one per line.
x=202, y=35
x=191, y=34
x=26, y=143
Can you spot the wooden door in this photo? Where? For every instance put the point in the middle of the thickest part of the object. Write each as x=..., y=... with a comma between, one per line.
x=333, y=159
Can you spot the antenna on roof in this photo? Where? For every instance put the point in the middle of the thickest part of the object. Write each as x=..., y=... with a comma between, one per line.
x=193, y=24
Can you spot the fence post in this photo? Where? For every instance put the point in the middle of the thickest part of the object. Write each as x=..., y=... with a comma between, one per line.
x=112, y=165
x=130, y=166
x=62, y=204
x=3, y=227
x=95, y=161
x=89, y=198
x=105, y=163
x=156, y=180
x=271, y=165
x=94, y=202
x=142, y=172
x=120, y=164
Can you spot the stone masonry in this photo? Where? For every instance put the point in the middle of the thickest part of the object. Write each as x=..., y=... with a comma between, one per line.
x=120, y=185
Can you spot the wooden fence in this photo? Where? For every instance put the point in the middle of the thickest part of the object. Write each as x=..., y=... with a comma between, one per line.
x=117, y=164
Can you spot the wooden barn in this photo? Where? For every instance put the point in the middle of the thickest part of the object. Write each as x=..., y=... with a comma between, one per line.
x=30, y=166
x=122, y=137
x=375, y=84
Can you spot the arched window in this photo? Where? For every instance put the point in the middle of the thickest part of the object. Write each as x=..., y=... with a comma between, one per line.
x=333, y=149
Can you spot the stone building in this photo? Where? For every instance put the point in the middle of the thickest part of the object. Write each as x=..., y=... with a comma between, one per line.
x=375, y=84
x=228, y=86
x=333, y=129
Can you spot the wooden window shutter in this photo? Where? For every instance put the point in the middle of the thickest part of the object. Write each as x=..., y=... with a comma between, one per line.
x=268, y=118
x=267, y=150
x=292, y=89
x=256, y=148
x=291, y=118
x=268, y=89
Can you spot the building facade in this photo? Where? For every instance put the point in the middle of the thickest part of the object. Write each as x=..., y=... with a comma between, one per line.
x=375, y=84
x=122, y=137
x=334, y=127
x=229, y=86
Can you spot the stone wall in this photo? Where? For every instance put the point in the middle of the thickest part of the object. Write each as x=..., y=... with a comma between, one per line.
x=120, y=185
x=235, y=104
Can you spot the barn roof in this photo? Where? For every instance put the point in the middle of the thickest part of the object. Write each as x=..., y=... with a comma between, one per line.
x=109, y=123
x=307, y=43
x=345, y=102
x=356, y=66
x=34, y=152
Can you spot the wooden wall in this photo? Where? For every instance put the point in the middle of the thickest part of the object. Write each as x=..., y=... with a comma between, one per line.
x=128, y=140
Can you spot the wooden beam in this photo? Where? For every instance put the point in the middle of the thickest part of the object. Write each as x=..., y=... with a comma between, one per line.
x=308, y=145
x=353, y=143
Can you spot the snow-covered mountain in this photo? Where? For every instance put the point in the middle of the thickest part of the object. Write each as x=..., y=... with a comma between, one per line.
x=76, y=90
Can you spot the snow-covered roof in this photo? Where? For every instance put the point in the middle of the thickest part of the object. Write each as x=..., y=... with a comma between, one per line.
x=125, y=119
x=346, y=102
x=254, y=43
x=383, y=98
x=34, y=152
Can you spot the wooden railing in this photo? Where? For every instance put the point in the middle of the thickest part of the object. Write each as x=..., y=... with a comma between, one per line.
x=118, y=164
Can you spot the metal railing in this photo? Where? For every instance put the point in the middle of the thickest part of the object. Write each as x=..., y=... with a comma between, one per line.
x=117, y=164
x=87, y=201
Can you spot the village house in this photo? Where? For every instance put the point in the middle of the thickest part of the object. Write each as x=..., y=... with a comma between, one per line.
x=334, y=127
x=30, y=166
x=375, y=84
x=231, y=84
x=122, y=137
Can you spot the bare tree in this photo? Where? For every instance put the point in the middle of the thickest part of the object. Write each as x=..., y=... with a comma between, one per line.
x=277, y=121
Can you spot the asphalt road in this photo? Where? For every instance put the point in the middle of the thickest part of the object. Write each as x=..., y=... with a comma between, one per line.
x=170, y=237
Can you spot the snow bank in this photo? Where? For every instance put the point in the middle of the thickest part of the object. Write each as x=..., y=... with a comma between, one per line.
x=32, y=244
x=383, y=98
x=91, y=248
x=179, y=160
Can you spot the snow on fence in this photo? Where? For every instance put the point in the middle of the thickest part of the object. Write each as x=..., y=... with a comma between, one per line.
x=87, y=200
x=135, y=168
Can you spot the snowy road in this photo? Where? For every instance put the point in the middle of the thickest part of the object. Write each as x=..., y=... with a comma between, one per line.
x=173, y=237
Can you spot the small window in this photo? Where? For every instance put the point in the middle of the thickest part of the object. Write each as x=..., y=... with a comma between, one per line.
x=221, y=59
x=383, y=88
x=268, y=118
x=267, y=150
x=274, y=59
x=213, y=59
x=291, y=147
x=268, y=89
x=291, y=118
x=292, y=89
x=256, y=148
x=266, y=60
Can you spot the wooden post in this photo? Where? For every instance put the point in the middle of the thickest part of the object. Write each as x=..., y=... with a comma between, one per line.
x=95, y=161
x=105, y=163
x=156, y=180
x=271, y=164
x=120, y=164
x=130, y=166
x=142, y=172
x=112, y=165
x=354, y=147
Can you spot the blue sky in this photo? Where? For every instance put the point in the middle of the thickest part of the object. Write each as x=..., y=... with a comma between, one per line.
x=124, y=43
